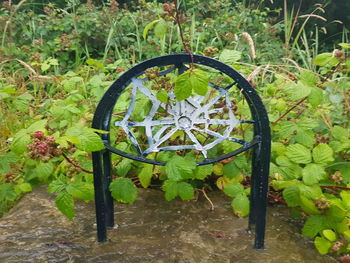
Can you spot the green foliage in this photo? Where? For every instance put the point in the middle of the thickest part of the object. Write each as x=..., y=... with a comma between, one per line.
x=123, y=190
x=193, y=80
x=53, y=87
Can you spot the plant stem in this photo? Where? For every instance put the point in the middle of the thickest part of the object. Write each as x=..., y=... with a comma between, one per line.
x=335, y=187
x=289, y=110
x=73, y=162
x=177, y=20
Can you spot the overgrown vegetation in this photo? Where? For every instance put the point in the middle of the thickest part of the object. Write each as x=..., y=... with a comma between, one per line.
x=56, y=65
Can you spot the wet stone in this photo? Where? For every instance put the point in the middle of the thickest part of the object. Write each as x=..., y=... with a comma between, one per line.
x=150, y=230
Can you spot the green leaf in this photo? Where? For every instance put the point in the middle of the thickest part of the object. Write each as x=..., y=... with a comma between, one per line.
x=307, y=123
x=86, y=139
x=311, y=192
x=23, y=188
x=308, y=78
x=234, y=189
x=185, y=191
x=162, y=96
x=291, y=172
x=145, y=175
x=305, y=137
x=241, y=205
x=57, y=185
x=292, y=195
x=201, y=172
x=298, y=153
x=345, y=196
x=322, y=245
x=81, y=190
x=322, y=154
x=278, y=147
x=313, y=225
x=345, y=45
x=20, y=142
x=7, y=192
x=192, y=80
x=325, y=59
x=6, y=160
x=42, y=171
x=287, y=128
x=329, y=234
x=315, y=97
x=308, y=206
x=148, y=27
x=283, y=161
x=340, y=133
x=65, y=204
x=229, y=56
x=313, y=173
x=89, y=141
x=123, y=190
x=178, y=168
x=231, y=170
x=37, y=126
x=161, y=28
x=297, y=91
x=170, y=189
x=124, y=167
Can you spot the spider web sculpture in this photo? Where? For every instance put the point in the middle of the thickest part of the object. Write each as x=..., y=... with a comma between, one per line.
x=203, y=121
x=187, y=115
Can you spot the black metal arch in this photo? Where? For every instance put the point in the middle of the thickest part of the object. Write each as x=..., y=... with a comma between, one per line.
x=260, y=143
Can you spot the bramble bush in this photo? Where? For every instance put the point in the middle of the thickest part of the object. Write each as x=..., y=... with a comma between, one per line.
x=54, y=74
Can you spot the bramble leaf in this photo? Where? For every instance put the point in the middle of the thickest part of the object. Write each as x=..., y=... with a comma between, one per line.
x=57, y=185
x=170, y=189
x=201, y=172
x=123, y=190
x=313, y=225
x=145, y=175
x=191, y=80
x=292, y=195
x=229, y=56
x=81, y=190
x=185, y=191
x=322, y=245
x=313, y=173
x=20, y=142
x=65, y=204
x=329, y=234
x=231, y=170
x=178, y=168
x=325, y=59
x=241, y=205
x=322, y=154
x=233, y=189
x=298, y=153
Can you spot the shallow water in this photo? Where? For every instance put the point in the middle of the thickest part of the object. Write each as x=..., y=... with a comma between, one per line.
x=150, y=230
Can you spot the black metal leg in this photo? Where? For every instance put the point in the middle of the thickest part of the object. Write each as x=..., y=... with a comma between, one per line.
x=107, y=179
x=261, y=174
x=254, y=190
x=100, y=205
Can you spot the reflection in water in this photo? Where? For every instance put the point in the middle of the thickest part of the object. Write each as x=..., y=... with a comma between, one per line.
x=150, y=230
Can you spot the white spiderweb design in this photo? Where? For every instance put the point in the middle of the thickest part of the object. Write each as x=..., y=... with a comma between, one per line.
x=188, y=115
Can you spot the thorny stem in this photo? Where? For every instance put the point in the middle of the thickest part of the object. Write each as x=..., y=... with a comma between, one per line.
x=335, y=187
x=289, y=110
x=76, y=165
x=177, y=20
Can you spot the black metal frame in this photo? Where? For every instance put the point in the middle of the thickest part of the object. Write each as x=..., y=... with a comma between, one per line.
x=260, y=144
